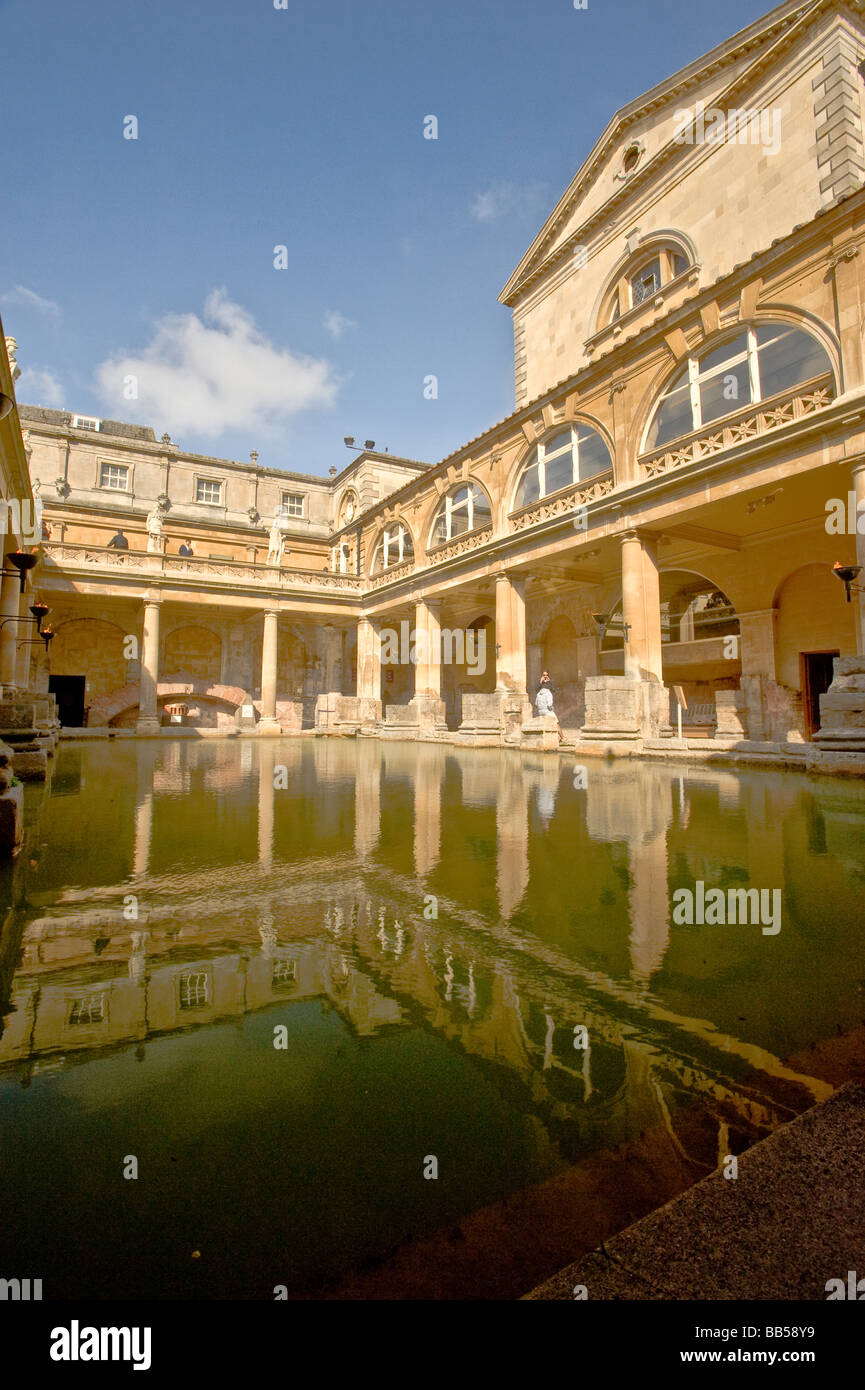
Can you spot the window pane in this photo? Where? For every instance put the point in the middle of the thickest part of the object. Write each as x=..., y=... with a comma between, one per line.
x=459, y=521
x=560, y=472
x=594, y=454
x=529, y=489
x=724, y=393
x=725, y=353
x=554, y=446
x=483, y=515
x=674, y=417
x=646, y=282
x=440, y=533
x=678, y=263
x=793, y=357
x=407, y=546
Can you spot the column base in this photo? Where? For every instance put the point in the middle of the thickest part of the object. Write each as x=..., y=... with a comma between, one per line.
x=489, y=720
x=269, y=728
x=148, y=726
x=619, y=708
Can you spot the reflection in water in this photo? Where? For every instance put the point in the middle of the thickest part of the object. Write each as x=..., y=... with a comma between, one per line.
x=290, y=882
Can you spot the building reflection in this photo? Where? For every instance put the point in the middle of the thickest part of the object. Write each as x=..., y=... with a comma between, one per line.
x=224, y=940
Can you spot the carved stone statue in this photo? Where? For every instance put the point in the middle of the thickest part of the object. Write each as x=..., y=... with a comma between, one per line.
x=276, y=544
x=155, y=538
x=11, y=350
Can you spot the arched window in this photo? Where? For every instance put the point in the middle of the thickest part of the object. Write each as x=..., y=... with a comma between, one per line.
x=759, y=362
x=394, y=547
x=574, y=454
x=464, y=509
x=348, y=508
x=640, y=279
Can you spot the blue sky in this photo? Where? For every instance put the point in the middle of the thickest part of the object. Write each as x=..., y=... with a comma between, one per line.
x=153, y=258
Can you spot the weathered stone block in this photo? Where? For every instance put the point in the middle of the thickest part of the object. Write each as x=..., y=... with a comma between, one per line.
x=11, y=819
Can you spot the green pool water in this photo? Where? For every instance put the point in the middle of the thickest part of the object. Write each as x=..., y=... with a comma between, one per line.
x=421, y=930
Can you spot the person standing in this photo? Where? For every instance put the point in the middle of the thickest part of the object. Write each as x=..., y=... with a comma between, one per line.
x=186, y=549
x=544, y=700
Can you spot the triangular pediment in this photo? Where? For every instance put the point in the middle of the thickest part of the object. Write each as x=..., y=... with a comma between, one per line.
x=601, y=189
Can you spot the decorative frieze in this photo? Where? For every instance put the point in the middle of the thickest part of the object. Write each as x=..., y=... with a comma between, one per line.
x=391, y=575
x=560, y=503
x=471, y=541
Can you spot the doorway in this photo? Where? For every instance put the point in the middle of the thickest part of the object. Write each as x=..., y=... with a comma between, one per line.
x=69, y=691
x=817, y=669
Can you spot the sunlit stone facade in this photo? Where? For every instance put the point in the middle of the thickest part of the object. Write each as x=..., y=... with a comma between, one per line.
x=690, y=398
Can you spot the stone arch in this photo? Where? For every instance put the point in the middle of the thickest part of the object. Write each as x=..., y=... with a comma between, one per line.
x=524, y=456
x=90, y=647
x=195, y=649
x=669, y=237
x=425, y=529
x=120, y=707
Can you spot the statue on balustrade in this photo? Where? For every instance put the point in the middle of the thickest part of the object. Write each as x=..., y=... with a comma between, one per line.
x=155, y=535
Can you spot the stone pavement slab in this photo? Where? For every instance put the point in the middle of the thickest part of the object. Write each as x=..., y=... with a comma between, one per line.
x=793, y=1219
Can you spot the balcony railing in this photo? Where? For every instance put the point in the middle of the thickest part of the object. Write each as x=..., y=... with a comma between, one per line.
x=136, y=562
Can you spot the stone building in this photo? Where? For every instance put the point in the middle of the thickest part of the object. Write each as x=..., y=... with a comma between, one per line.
x=661, y=511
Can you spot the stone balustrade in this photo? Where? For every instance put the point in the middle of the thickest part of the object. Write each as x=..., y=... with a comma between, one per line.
x=90, y=558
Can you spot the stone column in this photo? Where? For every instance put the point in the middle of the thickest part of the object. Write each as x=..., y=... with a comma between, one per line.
x=641, y=608
x=510, y=634
x=859, y=487
x=9, y=596
x=268, y=723
x=426, y=705
x=148, y=708
x=368, y=659
x=24, y=634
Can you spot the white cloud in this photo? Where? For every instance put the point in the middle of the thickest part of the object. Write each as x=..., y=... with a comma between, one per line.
x=213, y=375
x=37, y=387
x=337, y=324
x=21, y=295
x=505, y=199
